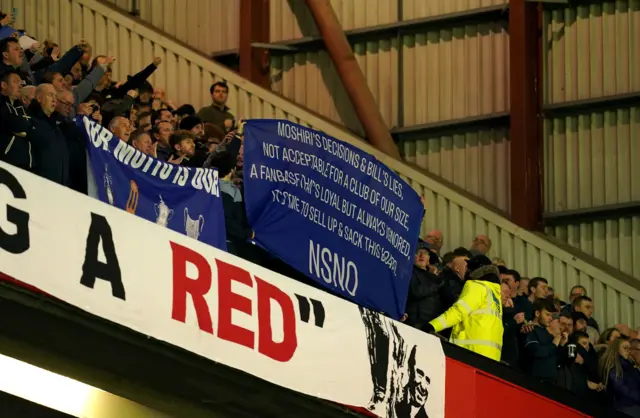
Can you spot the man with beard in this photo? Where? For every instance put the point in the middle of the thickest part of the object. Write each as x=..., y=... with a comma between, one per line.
x=194, y=125
x=184, y=148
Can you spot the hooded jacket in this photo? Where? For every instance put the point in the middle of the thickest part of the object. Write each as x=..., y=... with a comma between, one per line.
x=15, y=123
x=476, y=317
x=423, y=301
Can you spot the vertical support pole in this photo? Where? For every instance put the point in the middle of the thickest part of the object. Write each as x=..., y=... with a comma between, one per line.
x=526, y=133
x=352, y=77
x=254, y=27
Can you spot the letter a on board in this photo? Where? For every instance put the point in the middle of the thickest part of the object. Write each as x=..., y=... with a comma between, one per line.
x=93, y=268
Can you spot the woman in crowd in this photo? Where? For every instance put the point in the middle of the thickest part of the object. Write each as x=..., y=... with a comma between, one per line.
x=621, y=378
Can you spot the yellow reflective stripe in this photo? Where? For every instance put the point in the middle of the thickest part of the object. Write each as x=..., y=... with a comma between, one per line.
x=489, y=294
x=442, y=322
x=487, y=312
x=486, y=343
x=464, y=304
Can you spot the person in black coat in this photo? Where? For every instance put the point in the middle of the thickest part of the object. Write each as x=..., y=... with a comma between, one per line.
x=75, y=141
x=239, y=233
x=51, y=151
x=423, y=300
x=453, y=275
x=543, y=343
x=15, y=147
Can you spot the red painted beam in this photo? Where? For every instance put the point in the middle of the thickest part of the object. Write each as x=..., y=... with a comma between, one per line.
x=526, y=133
x=254, y=27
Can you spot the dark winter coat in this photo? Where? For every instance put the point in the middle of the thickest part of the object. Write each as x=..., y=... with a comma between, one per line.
x=510, y=344
x=51, y=151
x=542, y=355
x=423, y=300
x=235, y=216
x=77, y=153
x=451, y=288
x=15, y=123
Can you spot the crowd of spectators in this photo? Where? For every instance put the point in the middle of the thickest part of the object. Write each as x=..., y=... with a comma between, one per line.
x=527, y=327
x=42, y=91
x=552, y=341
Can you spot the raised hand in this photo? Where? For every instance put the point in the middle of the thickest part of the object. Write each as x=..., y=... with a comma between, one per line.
x=7, y=20
x=176, y=161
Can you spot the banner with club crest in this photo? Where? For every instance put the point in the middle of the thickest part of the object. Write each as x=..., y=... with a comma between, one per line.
x=185, y=200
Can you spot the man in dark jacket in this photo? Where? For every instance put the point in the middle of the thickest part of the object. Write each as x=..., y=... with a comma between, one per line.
x=161, y=136
x=15, y=147
x=236, y=223
x=537, y=290
x=543, y=341
x=51, y=152
x=423, y=301
x=453, y=276
x=75, y=141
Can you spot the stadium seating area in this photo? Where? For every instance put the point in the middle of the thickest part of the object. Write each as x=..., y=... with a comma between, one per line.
x=551, y=337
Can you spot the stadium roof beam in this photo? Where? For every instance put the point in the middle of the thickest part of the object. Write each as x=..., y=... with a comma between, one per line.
x=378, y=32
x=598, y=213
x=577, y=107
x=451, y=127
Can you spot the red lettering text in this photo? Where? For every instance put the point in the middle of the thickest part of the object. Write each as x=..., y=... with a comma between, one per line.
x=197, y=287
x=228, y=301
x=266, y=295
x=282, y=351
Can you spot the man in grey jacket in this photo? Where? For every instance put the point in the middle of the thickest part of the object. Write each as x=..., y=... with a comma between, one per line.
x=85, y=87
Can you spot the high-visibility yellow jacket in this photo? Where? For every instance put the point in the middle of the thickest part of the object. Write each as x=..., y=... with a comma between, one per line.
x=476, y=318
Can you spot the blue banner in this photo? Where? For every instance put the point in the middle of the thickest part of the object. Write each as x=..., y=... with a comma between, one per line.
x=332, y=211
x=185, y=200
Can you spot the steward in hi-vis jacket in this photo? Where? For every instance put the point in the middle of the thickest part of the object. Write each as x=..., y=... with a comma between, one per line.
x=476, y=317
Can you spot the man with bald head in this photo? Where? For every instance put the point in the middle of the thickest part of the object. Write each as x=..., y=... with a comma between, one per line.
x=51, y=153
x=481, y=245
x=436, y=240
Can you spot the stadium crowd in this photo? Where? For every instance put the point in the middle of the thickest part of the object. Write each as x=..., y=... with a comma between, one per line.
x=465, y=297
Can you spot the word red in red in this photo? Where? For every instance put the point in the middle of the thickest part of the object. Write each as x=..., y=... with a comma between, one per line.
x=198, y=287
